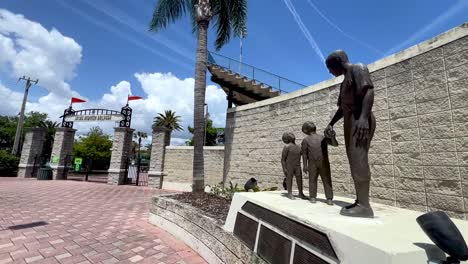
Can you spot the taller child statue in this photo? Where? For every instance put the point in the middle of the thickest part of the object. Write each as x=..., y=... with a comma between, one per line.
x=355, y=107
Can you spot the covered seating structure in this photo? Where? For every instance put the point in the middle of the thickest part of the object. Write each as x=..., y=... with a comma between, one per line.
x=245, y=84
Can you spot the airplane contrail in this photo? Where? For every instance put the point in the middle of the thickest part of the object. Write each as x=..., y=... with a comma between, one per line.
x=125, y=19
x=124, y=36
x=304, y=29
x=342, y=31
x=459, y=6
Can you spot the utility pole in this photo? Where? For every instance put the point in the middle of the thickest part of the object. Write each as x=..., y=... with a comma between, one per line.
x=19, y=128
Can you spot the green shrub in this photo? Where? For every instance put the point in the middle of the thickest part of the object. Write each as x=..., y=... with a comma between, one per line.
x=228, y=193
x=8, y=162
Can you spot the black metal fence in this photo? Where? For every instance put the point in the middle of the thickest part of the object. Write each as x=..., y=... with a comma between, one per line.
x=39, y=161
x=137, y=172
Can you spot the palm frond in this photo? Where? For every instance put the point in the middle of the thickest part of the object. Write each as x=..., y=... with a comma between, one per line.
x=190, y=5
x=220, y=9
x=169, y=120
x=166, y=12
x=238, y=17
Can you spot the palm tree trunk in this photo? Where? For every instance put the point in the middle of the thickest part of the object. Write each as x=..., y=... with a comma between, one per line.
x=199, y=106
x=167, y=141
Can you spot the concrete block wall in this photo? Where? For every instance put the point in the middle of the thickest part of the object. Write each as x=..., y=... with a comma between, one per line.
x=178, y=164
x=419, y=154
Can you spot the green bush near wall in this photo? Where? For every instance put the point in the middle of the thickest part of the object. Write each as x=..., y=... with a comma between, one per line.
x=8, y=163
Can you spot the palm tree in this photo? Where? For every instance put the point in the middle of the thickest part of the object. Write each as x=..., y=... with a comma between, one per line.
x=230, y=17
x=168, y=120
x=139, y=136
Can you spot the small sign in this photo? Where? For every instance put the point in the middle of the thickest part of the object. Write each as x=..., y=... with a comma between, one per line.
x=78, y=161
x=93, y=118
x=55, y=159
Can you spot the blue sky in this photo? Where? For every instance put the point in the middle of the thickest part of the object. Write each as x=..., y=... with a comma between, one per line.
x=113, y=44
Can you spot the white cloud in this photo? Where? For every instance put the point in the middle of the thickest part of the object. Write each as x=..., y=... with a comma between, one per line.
x=164, y=91
x=28, y=48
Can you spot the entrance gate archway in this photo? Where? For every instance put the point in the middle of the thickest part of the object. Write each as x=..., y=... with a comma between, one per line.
x=61, y=161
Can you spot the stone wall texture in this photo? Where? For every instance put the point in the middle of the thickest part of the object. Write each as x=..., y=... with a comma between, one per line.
x=419, y=154
x=192, y=224
x=179, y=164
x=62, y=149
x=31, y=153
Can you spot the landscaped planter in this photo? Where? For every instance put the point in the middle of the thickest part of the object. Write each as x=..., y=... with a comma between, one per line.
x=203, y=234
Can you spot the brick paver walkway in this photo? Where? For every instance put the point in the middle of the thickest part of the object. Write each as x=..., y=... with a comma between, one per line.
x=82, y=222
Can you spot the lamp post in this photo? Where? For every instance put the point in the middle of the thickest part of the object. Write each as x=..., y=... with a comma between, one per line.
x=206, y=123
x=242, y=36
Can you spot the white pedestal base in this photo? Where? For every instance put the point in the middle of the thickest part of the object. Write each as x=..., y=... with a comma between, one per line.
x=392, y=237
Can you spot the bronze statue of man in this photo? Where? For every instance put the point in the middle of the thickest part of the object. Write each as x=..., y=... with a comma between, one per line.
x=355, y=107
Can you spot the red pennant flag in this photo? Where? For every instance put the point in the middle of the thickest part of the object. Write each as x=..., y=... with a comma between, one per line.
x=77, y=100
x=134, y=97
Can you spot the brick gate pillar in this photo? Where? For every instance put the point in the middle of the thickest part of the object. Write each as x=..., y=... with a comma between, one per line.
x=158, y=151
x=121, y=147
x=61, y=152
x=30, y=160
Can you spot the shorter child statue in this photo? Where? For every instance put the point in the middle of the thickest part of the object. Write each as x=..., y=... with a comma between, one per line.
x=291, y=162
x=315, y=160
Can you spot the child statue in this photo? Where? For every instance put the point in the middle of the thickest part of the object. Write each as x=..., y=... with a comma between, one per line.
x=315, y=160
x=291, y=162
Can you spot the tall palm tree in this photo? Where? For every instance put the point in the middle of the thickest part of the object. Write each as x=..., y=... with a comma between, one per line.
x=139, y=136
x=168, y=120
x=229, y=17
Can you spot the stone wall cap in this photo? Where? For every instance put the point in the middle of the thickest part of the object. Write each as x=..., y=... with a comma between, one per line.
x=156, y=173
x=35, y=129
x=425, y=46
x=124, y=129
x=191, y=147
x=161, y=129
x=65, y=129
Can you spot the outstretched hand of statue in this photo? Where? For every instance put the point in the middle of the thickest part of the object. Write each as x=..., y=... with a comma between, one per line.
x=361, y=132
x=328, y=132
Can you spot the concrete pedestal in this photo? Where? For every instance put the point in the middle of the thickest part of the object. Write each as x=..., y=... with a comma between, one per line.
x=277, y=227
x=30, y=160
x=62, y=151
x=158, y=151
x=121, y=146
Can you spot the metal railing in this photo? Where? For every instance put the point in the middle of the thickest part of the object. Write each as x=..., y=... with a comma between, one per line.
x=276, y=82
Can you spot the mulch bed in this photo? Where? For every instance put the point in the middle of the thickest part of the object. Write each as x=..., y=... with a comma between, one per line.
x=213, y=206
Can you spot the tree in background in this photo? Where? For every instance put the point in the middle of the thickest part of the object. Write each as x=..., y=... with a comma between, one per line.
x=8, y=127
x=138, y=136
x=7, y=131
x=211, y=134
x=229, y=17
x=168, y=120
x=8, y=162
x=95, y=145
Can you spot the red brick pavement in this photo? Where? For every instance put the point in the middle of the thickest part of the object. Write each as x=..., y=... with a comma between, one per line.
x=83, y=223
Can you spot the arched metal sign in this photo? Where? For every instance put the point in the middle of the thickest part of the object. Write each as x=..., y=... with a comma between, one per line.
x=124, y=117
